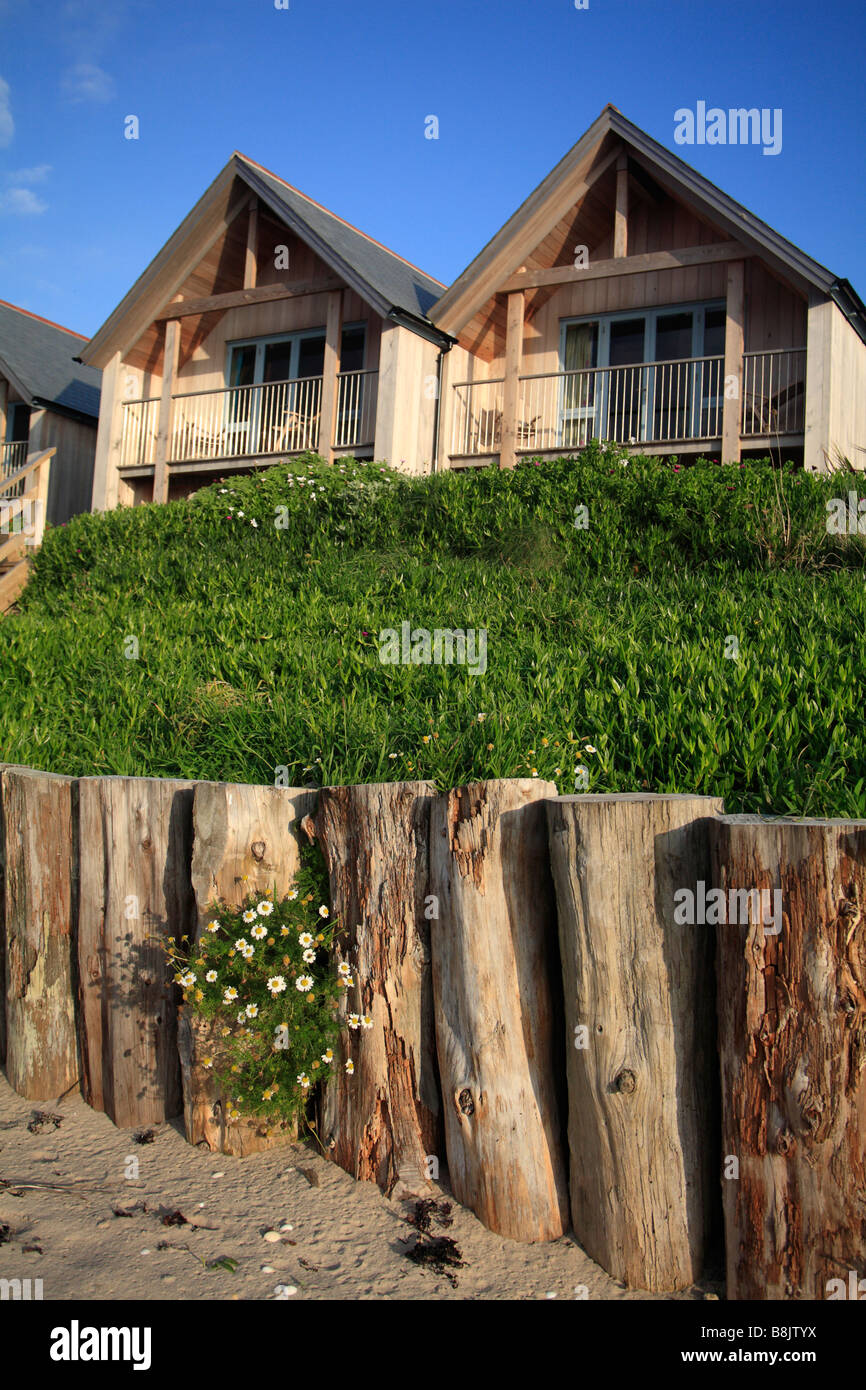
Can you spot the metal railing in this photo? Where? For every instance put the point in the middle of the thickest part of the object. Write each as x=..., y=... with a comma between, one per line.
x=651, y=403
x=12, y=457
x=476, y=421
x=278, y=417
x=138, y=431
x=774, y=392
x=356, y=409
x=236, y=422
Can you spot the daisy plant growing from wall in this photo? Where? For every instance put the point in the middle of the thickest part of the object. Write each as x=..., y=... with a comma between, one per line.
x=263, y=975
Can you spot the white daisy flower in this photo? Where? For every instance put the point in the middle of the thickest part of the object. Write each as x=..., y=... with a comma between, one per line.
x=323, y=911
x=230, y=995
x=276, y=984
x=213, y=926
x=309, y=956
x=259, y=932
x=305, y=939
x=292, y=895
x=252, y=1010
x=366, y=1021
x=350, y=1066
x=303, y=1080
x=241, y=943
x=328, y=1056
x=265, y=908
x=354, y=1020
x=344, y=968
x=211, y=976
x=187, y=979
x=248, y=952
x=249, y=915
x=304, y=983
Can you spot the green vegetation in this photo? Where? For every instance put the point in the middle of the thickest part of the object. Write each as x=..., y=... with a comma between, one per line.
x=262, y=976
x=258, y=644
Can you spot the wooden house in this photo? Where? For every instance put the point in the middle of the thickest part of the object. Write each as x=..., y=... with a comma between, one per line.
x=629, y=299
x=47, y=401
x=266, y=326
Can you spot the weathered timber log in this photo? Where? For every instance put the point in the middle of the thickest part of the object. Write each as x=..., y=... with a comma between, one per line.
x=136, y=845
x=639, y=1003
x=39, y=906
x=382, y=1123
x=497, y=1005
x=244, y=842
x=792, y=1037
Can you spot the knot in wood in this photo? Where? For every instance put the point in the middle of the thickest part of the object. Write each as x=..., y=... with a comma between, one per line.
x=625, y=1081
x=465, y=1103
x=258, y=850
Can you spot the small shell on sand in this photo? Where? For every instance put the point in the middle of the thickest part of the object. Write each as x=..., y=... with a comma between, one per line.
x=271, y=1236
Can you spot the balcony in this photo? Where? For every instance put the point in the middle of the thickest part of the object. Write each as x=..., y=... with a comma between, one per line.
x=654, y=404
x=277, y=418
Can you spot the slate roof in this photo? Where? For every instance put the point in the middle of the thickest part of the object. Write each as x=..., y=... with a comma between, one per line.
x=355, y=256
x=39, y=357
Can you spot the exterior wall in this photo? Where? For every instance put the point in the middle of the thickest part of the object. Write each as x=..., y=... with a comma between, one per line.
x=847, y=392
x=835, y=390
x=70, y=480
x=205, y=371
x=406, y=413
x=775, y=315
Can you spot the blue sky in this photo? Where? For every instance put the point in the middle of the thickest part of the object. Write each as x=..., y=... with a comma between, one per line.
x=333, y=96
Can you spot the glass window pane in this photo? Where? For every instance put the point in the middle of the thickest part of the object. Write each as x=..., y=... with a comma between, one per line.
x=581, y=346
x=714, y=333
x=311, y=356
x=352, y=350
x=626, y=341
x=673, y=336
x=242, y=369
x=278, y=361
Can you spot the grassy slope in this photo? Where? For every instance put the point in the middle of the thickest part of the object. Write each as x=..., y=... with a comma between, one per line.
x=258, y=646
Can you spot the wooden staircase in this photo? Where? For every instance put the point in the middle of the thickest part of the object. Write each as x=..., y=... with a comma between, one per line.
x=23, y=500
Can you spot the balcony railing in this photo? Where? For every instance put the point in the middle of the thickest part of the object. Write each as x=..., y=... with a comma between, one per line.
x=140, y=422
x=12, y=457
x=356, y=409
x=476, y=421
x=774, y=392
x=279, y=417
x=675, y=402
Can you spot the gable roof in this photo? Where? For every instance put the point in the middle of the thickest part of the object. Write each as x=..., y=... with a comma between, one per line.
x=363, y=262
x=38, y=357
x=394, y=287
x=553, y=196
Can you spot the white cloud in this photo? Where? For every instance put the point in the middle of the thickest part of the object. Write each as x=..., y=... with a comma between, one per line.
x=38, y=173
x=21, y=202
x=7, y=125
x=87, y=82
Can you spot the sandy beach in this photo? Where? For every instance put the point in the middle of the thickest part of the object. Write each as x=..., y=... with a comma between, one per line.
x=330, y=1237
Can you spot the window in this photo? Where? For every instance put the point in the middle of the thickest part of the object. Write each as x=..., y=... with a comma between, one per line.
x=280, y=409
x=653, y=385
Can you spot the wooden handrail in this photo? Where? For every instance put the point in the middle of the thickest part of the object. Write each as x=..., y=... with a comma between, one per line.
x=28, y=467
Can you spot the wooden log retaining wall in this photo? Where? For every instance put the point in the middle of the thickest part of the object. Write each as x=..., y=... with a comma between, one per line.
x=580, y=1003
